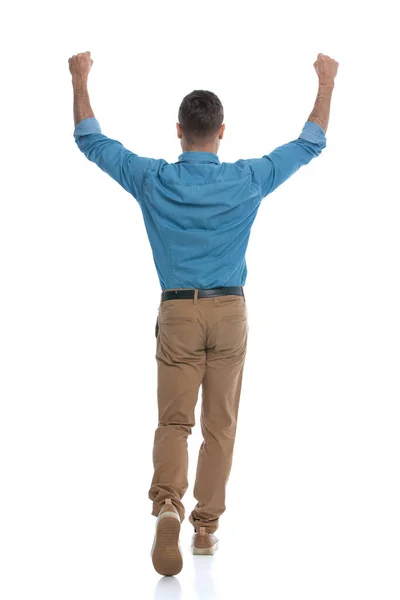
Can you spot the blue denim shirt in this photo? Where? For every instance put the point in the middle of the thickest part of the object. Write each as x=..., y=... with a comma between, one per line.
x=198, y=211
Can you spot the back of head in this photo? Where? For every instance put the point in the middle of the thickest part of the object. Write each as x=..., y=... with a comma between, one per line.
x=200, y=115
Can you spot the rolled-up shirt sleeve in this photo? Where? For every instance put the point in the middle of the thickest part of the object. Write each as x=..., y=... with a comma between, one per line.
x=124, y=166
x=271, y=170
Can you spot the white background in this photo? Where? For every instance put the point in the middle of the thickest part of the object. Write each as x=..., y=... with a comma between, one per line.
x=312, y=504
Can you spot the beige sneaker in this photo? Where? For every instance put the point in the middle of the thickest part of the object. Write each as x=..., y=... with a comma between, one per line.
x=166, y=552
x=204, y=543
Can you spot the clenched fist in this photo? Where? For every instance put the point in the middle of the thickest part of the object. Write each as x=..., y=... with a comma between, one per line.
x=80, y=64
x=326, y=68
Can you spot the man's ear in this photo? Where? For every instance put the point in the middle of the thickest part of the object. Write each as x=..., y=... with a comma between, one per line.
x=178, y=130
x=221, y=132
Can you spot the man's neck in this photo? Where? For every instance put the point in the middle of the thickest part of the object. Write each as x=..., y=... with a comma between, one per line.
x=199, y=150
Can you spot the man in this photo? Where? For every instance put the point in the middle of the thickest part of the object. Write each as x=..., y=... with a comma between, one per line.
x=198, y=213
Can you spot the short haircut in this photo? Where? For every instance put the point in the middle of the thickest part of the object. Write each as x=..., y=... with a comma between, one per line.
x=200, y=115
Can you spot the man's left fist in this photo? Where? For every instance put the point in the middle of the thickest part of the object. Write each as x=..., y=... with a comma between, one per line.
x=80, y=64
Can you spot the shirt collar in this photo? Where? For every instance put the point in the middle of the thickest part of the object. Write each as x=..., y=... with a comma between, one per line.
x=195, y=156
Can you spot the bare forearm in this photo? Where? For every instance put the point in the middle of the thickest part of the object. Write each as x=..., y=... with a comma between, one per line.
x=320, y=113
x=82, y=108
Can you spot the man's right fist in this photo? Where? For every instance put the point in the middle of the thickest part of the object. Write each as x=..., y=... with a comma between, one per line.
x=326, y=68
x=80, y=64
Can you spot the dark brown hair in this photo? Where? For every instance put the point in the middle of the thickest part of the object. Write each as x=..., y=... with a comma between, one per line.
x=200, y=115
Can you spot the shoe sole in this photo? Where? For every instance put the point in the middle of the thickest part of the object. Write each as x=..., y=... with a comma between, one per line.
x=166, y=551
x=205, y=551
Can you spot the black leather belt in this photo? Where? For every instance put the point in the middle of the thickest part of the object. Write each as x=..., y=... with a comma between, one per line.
x=222, y=291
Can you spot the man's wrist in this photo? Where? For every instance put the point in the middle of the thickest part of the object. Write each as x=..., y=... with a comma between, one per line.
x=326, y=84
x=79, y=81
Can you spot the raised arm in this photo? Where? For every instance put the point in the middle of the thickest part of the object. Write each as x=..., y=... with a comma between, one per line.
x=326, y=69
x=124, y=166
x=273, y=169
x=79, y=66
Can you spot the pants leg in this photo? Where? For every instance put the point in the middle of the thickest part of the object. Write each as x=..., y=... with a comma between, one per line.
x=180, y=359
x=221, y=388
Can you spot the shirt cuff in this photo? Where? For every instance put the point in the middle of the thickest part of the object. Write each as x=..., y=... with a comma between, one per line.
x=89, y=125
x=313, y=133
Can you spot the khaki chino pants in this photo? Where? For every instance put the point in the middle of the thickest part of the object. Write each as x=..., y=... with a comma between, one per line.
x=200, y=341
